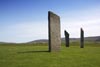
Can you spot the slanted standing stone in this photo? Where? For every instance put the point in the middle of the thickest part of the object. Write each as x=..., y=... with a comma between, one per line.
x=54, y=32
x=66, y=38
x=82, y=39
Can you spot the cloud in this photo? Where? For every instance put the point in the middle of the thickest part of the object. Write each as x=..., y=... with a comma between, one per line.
x=89, y=20
x=90, y=28
x=23, y=32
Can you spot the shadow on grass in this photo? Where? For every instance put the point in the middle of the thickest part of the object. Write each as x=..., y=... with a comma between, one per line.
x=33, y=52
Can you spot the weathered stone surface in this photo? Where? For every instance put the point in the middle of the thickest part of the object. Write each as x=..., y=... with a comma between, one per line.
x=66, y=38
x=82, y=39
x=54, y=32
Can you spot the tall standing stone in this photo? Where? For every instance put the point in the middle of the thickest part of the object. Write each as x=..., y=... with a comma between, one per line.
x=82, y=39
x=66, y=38
x=54, y=32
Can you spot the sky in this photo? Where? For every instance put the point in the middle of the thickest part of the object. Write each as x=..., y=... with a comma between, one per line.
x=27, y=20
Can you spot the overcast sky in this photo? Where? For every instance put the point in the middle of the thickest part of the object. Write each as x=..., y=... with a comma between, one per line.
x=27, y=20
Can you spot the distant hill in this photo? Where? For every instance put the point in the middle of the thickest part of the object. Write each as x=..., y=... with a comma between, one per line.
x=93, y=39
x=39, y=41
x=2, y=42
x=88, y=39
x=7, y=43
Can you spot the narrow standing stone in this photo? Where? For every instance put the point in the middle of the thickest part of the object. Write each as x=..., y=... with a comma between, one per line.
x=54, y=32
x=66, y=38
x=82, y=39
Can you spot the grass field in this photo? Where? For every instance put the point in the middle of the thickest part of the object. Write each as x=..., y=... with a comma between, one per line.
x=38, y=56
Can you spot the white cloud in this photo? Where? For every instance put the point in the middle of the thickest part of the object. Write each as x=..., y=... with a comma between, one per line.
x=89, y=20
x=90, y=29
x=24, y=32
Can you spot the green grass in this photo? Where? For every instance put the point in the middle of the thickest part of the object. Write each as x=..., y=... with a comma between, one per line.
x=37, y=56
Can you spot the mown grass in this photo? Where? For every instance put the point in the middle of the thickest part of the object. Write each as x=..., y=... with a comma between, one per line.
x=38, y=56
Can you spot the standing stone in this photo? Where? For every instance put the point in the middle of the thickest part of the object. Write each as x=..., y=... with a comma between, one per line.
x=66, y=38
x=82, y=39
x=54, y=32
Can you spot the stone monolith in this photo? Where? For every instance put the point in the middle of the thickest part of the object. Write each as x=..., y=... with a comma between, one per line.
x=66, y=38
x=54, y=32
x=82, y=38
